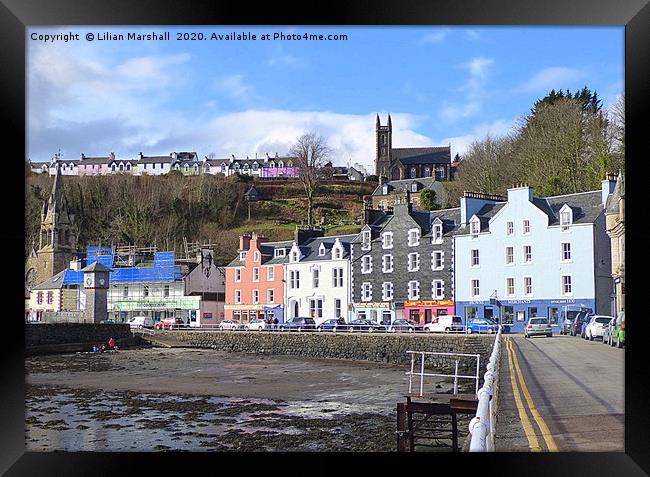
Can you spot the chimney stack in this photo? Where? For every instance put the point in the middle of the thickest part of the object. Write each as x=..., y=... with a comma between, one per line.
x=244, y=242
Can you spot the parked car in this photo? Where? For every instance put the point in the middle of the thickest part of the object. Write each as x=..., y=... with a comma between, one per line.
x=333, y=324
x=596, y=326
x=230, y=325
x=481, y=325
x=576, y=328
x=607, y=334
x=141, y=322
x=538, y=325
x=404, y=325
x=258, y=325
x=445, y=324
x=365, y=325
x=108, y=322
x=170, y=323
x=567, y=325
x=618, y=333
x=298, y=323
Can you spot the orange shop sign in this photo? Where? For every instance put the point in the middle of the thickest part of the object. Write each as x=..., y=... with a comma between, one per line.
x=430, y=303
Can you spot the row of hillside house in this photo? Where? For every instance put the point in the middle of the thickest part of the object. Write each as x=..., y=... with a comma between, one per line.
x=508, y=259
x=186, y=163
x=155, y=286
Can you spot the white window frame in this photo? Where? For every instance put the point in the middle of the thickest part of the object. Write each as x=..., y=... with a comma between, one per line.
x=387, y=240
x=387, y=291
x=336, y=253
x=365, y=240
x=256, y=256
x=413, y=262
x=414, y=290
x=237, y=297
x=366, y=264
x=474, y=228
x=294, y=279
x=563, y=285
x=366, y=291
x=437, y=289
x=525, y=227
x=270, y=274
x=433, y=260
x=510, y=286
x=384, y=259
x=512, y=262
x=416, y=233
x=280, y=252
x=321, y=250
x=256, y=274
x=270, y=295
x=437, y=233
x=256, y=296
x=471, y=258
x=337, y=307
x=527, y=262
x=237, y=275
x=526, y=292
x=242, y=255
x=315, y=277
x=475, y=287
x=510, y=228
x=566, y=219
x=337, y=278
x=563, y=252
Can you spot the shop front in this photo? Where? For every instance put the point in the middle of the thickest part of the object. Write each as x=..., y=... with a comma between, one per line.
x=516, y=313
x=187, y=308
x=424, y=311
x=377, y=312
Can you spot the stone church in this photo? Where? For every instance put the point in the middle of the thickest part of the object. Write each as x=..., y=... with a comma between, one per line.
x=409, y=162
x=57, y=240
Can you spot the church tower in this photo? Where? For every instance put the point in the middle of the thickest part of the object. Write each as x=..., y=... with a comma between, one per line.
x=58, y=240
x=384, y=137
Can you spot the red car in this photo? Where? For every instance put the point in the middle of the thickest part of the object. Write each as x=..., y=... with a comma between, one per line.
x=169, y=323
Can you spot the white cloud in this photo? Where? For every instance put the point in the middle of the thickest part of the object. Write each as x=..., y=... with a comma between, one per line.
x=286, y=59
x=473, y=35
x=234, y=86
x=473, y=88
x=434, y=37
x=555, y=77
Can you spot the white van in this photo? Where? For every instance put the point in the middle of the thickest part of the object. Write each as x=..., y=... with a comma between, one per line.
x=141, y=322
x=445, y=324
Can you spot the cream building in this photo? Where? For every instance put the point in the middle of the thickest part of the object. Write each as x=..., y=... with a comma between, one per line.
x=615, y=216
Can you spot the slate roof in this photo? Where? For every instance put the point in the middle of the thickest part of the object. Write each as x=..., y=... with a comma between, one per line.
x=309, y=250
x=268, y=254
x=155, y=159
x=403, y=185
x=93, y=160
x=586, y=207
x=187, y=156
x=55, y=282
x=422, y=155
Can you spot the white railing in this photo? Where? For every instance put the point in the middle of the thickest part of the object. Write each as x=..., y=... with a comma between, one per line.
x=421, y=374
x=481, y=427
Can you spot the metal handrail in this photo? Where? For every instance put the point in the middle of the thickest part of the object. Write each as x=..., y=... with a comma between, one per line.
x=481, y=427
x=456, y=376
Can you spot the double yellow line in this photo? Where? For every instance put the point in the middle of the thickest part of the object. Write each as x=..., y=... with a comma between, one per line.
x=518, y=382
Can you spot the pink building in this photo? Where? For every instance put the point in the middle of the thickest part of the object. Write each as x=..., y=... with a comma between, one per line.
x=255, y=280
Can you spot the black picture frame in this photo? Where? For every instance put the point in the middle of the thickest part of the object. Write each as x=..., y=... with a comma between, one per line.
x=15, y=15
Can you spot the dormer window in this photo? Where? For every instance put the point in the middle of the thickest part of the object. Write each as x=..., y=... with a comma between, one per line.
x=437, y=233
x=566, y=218
x=321, y=250
x=365, y=240
x=384, y=189
x=256, y=256
x=280, y=252
x=294, y=256
x=414, y=187
x=242, y=255
x=474, y=227
x=337, y=253
x=427, y=172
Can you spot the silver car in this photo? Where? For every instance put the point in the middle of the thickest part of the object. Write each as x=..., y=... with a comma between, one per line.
x=538, y=326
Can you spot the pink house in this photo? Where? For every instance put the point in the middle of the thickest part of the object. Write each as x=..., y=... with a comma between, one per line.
x=255, y=280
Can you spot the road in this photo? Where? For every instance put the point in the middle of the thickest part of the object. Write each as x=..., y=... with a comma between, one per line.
x=569, y=395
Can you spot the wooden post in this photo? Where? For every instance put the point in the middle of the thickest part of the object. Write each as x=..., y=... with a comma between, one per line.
x=454, y=432
x=402, y=430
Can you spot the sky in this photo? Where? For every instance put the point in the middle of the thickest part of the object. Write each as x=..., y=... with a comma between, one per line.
x=441, y=85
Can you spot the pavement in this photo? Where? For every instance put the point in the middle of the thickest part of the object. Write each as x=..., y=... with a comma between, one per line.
x=568, y=396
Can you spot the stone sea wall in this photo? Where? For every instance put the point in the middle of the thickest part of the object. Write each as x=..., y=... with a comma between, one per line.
x=50, y=334
x=385, y=348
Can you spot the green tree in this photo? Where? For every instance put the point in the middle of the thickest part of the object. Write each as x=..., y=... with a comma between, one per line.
x=428, y=200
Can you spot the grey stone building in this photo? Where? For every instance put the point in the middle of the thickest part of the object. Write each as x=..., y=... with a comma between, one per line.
x=402, y=264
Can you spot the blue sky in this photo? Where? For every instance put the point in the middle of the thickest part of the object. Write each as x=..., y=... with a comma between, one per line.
x=442, y=85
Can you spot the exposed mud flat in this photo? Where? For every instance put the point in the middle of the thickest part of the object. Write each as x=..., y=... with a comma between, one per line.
x=205, y=400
